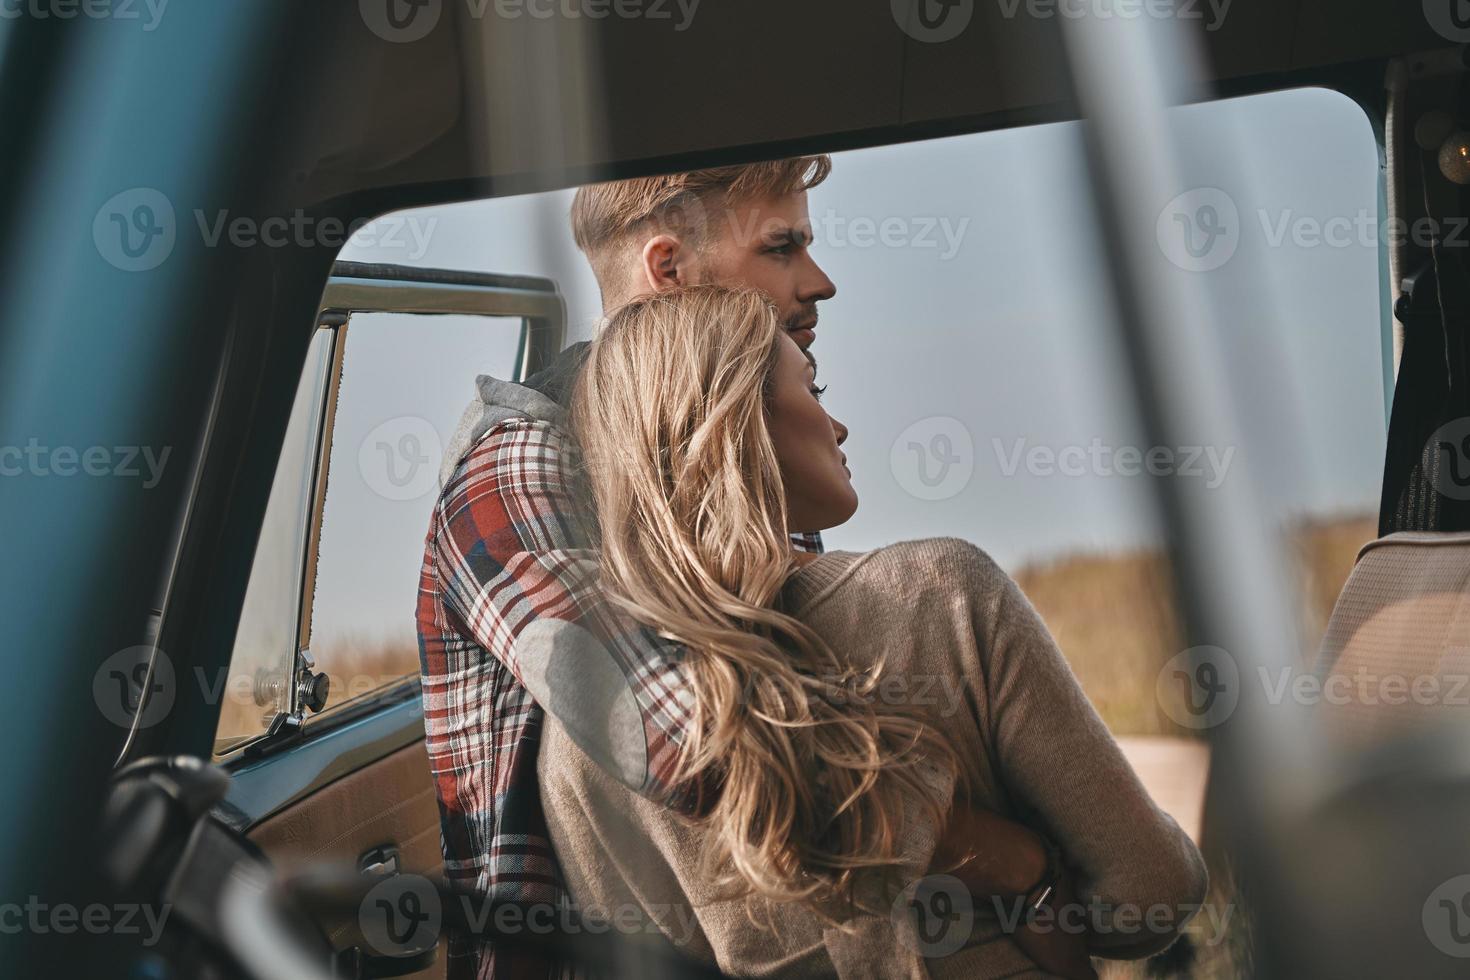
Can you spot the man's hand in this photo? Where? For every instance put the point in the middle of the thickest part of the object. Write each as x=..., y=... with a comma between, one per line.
x=1052, y=941
x=1008, y=859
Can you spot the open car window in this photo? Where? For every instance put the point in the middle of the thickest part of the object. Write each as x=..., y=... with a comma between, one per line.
x=328, y=616
x=402, y=389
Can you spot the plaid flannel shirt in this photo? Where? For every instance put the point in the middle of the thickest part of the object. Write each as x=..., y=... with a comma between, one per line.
x=510, y=625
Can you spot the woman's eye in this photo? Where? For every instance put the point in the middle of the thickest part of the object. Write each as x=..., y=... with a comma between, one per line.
x=818, y=392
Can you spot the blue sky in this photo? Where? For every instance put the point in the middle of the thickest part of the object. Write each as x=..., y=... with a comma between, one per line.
x=970, y=308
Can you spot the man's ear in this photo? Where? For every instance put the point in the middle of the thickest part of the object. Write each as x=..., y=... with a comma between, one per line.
x=663, y=263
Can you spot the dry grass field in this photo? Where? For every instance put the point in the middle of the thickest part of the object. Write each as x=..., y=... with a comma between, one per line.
x=1114, y=616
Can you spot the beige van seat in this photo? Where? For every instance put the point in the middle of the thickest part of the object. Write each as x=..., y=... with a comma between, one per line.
x=1396, y=655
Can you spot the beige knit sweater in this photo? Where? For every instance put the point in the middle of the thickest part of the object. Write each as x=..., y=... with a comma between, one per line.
x=960, y=637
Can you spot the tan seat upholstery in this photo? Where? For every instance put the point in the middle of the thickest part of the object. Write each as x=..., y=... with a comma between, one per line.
x=1396, y=655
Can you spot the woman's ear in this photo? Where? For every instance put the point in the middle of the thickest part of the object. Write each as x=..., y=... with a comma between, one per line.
x=662, y=263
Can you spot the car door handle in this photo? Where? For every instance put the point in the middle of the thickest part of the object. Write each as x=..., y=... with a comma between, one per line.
x=380, y=862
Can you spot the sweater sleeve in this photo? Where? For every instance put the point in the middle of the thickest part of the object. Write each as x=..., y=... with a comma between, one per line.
x=1138, y=872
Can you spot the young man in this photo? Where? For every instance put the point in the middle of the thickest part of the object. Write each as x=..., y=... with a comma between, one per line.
x=510, y=622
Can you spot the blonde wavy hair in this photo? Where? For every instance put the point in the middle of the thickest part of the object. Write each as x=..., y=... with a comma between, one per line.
x=813, y=773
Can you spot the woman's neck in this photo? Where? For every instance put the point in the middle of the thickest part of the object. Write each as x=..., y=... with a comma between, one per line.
x=803, y=558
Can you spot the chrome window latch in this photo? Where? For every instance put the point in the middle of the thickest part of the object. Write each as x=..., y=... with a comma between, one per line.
x=310, y=691
x=312, y=688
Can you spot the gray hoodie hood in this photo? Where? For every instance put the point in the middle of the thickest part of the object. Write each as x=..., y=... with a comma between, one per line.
x=540, y=398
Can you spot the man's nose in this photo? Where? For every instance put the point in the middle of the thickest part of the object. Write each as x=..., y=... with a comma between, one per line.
x=815, y=285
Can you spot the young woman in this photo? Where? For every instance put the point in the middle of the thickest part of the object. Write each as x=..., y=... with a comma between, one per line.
x=867, y=720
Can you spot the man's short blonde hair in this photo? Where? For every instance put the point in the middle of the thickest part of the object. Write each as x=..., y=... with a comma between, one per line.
x=606, y=216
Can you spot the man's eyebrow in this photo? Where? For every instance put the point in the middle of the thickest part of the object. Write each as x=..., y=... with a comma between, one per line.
x=790, y=235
